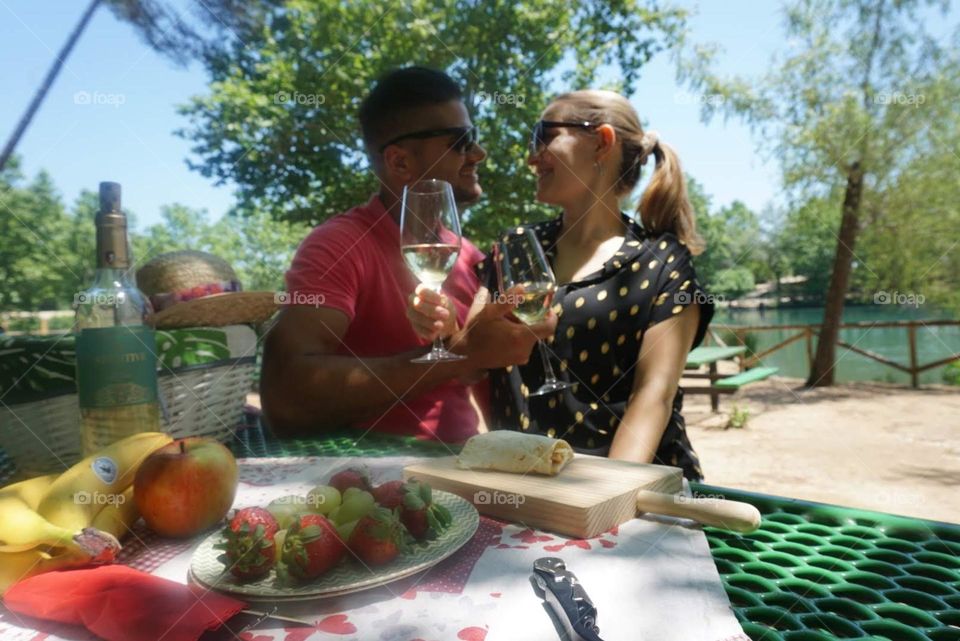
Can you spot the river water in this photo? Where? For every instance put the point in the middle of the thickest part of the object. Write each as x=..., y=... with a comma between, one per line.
x=933, y=343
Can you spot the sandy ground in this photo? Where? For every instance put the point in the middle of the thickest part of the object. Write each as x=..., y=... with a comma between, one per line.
x=869, y=445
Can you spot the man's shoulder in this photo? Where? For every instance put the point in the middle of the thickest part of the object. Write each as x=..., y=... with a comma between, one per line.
x=349, y=225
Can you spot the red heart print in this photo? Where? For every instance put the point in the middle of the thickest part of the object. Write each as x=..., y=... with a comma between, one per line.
x=472, y=634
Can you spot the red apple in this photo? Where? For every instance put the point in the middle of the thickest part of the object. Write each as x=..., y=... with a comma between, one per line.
x=186, y=487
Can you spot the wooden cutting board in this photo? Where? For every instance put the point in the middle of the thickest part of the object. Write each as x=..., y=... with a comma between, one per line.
x=590, y=496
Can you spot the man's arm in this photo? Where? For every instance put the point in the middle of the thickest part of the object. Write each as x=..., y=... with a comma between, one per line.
x=305, y=382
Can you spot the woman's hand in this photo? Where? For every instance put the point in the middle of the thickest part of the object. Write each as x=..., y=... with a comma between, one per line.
x=431, y=314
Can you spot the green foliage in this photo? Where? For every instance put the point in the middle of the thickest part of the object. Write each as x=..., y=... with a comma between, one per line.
x=806, y=241
x=738, y=418
x=279, y=120
x=951, y=373
x=858, y=83
x=259, y=248
x=36, y=271
x=47, y=252
x=734, y=243
x=732, y=283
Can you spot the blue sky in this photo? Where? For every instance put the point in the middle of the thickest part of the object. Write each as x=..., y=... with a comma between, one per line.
x=125, y=133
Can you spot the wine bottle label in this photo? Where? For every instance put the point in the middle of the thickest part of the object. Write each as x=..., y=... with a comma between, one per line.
x=116, y=366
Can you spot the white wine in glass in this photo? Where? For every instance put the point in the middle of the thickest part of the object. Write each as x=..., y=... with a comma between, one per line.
x=520, y=261
x=430, y=242
x=535, y=302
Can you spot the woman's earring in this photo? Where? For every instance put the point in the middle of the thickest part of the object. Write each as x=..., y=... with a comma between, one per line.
x=599, y=167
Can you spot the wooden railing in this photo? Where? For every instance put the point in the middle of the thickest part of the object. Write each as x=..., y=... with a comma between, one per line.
x=808, y=332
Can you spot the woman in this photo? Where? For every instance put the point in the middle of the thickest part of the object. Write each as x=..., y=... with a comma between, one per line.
x=628, y=301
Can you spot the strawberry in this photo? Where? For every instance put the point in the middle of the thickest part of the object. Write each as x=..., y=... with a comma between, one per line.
x=351, y=477
x=379, y=537
x=311, y=547
x=423, y=518
x=248, y=543
x=389, y=494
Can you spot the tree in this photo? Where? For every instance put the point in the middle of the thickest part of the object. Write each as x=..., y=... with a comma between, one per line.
x=843, y=111
x=257, y=247
x=33, y=265
x=48, y=253
x=280, y=123
x=806, y=242
x=734, y=245
x=910, y=240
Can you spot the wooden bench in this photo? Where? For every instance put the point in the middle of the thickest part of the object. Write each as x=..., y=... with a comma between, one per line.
x=710, y=356
x=733, y=383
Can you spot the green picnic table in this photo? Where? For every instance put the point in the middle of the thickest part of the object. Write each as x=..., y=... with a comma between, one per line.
x=812, y=572
x=718, y=385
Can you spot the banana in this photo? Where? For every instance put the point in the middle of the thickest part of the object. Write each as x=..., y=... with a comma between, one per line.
x=30, y=491
x=15, y=566
x=117, y=518
x=22, y=528
x=79, y=494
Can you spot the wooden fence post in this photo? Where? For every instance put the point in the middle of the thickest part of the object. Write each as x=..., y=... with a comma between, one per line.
x=914, y=371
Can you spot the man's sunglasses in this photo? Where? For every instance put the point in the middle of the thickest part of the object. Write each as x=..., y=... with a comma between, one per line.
x=466, y=137
x=539, y=138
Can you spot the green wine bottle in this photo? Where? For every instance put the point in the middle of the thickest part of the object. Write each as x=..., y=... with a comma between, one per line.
x=116, y=351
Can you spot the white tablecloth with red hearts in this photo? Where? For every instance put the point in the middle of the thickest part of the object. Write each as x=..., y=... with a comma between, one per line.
x=650, y=580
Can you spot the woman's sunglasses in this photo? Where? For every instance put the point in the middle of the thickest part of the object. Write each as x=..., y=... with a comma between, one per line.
x=466, y=137
x=538, y=141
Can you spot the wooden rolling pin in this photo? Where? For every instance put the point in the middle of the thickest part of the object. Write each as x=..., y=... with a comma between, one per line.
x=715, y=512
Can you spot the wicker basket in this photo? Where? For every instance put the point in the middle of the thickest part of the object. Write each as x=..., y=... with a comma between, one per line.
x=43, y=436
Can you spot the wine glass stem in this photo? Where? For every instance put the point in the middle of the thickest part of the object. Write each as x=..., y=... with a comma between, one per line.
x=438, y=347
x=550, y=377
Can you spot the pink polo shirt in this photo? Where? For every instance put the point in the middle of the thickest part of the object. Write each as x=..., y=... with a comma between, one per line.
x=352, y=263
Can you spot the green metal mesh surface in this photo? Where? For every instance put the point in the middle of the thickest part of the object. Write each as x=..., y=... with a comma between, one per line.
x=816, y=572
x=254, y=442
x=812, y=572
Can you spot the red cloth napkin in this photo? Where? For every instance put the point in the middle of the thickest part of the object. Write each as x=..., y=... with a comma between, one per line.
x=118, y=603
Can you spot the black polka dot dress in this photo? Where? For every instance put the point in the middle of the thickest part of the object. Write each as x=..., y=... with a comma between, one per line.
x=601, y=325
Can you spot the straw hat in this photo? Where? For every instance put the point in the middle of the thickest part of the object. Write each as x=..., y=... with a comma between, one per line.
x=196, y=289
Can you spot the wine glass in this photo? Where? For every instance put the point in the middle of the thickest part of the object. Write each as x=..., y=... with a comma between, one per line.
x=430, y=242
x=520, y=261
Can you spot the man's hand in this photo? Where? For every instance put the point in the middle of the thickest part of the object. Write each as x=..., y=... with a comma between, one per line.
x=493, y=339
x=431, y=314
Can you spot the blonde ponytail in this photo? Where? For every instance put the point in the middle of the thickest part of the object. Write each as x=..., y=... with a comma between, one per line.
x=665, y=205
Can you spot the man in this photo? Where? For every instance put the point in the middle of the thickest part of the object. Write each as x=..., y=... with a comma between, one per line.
x=346, y=359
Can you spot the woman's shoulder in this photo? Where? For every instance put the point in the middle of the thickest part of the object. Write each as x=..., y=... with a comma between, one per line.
x=666, y=244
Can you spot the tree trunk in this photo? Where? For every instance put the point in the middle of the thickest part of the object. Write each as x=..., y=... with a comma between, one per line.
x=47, y=83
x=822, y=370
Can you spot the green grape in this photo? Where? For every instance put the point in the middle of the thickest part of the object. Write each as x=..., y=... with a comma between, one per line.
x=355, y=506
x=345, y=530
x=352, y=491
x=286, y=508
x=323, y=499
